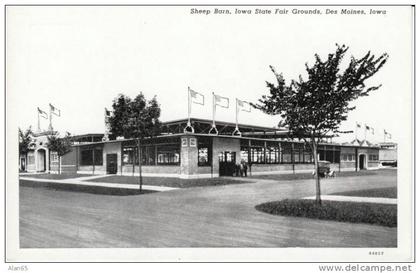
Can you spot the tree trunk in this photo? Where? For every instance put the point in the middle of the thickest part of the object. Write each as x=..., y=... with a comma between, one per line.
x=59, y=164
x=317, y=178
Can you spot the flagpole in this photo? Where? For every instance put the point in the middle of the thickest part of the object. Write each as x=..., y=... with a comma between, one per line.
x=189, y=107
x=51, y=128
x=39, y=122
x=355, y=132
x=365, y=131
x=236, y=113
x=214, y=112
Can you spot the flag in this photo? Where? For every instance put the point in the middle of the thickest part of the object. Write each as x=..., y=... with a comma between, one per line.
x=196, y=97
x=372, y=130
x=387, y=134
x=358, y=125
x=54, y=110
x=221, y=101
x=367, y=127
x=42, y=113
x=107, y=113
x=243, y=105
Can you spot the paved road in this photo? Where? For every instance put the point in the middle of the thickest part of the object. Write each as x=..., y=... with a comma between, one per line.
x=220, y=216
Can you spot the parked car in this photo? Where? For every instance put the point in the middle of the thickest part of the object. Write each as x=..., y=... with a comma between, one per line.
x=323, y=168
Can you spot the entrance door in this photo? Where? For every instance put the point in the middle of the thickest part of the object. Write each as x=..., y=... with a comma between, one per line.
x=111, y=164
x=22, y=164
x=41, y=160
x=362, y=162
x=227, y=162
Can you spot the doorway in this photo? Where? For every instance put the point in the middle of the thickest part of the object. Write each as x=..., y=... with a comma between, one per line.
x=41, y=160
x=227, y=163
x=362, y=164
x=111, y=163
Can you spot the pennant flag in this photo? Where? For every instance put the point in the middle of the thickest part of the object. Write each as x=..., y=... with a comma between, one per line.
x=54, y=110
x=387, y=134
x=221, y=101
x=243, y=105
x=42, y=113
x=358, y=125
x=196, y=97
x=367, y=127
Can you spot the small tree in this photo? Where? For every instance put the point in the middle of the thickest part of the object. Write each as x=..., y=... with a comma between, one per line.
x=24, y=141
x=315, y=107
x=135, y=118
x=59, y=145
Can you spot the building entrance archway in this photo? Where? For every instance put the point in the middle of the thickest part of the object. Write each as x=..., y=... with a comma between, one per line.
x=41, y=161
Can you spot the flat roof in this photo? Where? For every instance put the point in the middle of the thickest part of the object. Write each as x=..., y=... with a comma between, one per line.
x=222, y=136
x=223, y=123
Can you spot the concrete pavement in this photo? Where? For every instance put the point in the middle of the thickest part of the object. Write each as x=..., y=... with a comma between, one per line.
x=219, y=216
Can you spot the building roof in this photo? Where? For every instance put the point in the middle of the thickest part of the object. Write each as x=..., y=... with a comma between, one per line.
x=203, y=126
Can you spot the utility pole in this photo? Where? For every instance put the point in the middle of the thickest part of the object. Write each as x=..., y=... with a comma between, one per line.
x=139, y=153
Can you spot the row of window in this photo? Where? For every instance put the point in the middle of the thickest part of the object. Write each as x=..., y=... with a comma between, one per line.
x=273, y=155
x=169, y=154
x=348, y=157
x=352, y=157
x=152, y=155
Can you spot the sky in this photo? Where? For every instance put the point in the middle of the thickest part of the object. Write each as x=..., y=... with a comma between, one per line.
x=80, y=58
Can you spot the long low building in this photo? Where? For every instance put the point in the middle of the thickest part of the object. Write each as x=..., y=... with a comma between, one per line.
x=201, y=153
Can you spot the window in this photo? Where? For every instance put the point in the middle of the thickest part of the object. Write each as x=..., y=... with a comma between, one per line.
x=168, y=155
x=373, y=157
x=31, y=159
x=257, y=154
x=308, y=157
x=203, y=156
x=148, y=155
x=88, y=155
x=244, y=154
x=54, y=156
x=336, y=157
x=272, y=155
x=329, y=156
x=296, y=155
x=287, y=155
x=204, y=151
x=128, y=155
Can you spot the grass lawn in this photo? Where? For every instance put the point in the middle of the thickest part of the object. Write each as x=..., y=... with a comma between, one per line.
x=369, y=213
x=390, y=192
x=82, y=188
x=56, y=176
x=299, y=176
x=168, y=181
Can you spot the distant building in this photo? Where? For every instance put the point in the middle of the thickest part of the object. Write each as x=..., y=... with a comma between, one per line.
x=388, y=154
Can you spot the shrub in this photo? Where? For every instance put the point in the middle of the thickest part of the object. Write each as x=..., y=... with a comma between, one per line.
x=354, y=212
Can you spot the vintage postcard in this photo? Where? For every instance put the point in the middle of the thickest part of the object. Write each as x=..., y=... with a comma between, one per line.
x=194, y=133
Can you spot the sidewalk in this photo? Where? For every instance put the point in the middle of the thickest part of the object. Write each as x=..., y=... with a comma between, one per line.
x=356, y=199
x=83, y=182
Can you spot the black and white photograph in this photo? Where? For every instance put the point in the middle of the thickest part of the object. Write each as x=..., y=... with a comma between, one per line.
x=209, y=133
